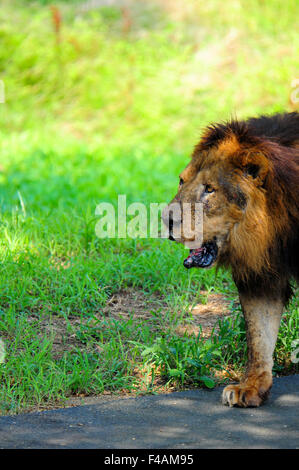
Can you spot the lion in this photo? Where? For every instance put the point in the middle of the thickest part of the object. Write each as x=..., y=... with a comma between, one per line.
x=245, y=175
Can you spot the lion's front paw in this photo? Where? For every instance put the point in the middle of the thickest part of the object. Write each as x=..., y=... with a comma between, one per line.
x=241, y=395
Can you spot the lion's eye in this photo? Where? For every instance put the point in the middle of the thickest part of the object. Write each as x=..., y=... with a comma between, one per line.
x=209, y=189
x=181, y=182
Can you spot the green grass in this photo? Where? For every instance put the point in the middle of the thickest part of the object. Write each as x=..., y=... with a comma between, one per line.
x=110, y=110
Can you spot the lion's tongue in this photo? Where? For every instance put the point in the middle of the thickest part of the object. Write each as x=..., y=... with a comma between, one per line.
x=202, y=257
x=189, y=261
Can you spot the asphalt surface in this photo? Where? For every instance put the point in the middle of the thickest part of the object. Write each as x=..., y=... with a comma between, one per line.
x=183, y=420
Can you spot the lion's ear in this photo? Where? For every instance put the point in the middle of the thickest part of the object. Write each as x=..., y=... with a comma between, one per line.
x=252, y=170
x=255, y=166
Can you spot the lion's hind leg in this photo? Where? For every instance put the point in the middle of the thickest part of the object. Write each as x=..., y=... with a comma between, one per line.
x=262, y=318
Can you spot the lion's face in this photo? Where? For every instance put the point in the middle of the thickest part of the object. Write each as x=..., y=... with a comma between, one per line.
x=229, y=193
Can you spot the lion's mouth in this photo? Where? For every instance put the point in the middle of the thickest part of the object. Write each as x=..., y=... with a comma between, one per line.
x=202, y=257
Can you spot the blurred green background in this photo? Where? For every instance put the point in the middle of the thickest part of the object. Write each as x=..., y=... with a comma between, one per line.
x=108, y=97
x=145, y=74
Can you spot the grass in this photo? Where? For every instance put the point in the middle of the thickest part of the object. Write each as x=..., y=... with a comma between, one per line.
x=113, y=105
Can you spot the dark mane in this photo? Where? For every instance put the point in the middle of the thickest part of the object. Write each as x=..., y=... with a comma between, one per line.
x=215, y=133
x=280, y=128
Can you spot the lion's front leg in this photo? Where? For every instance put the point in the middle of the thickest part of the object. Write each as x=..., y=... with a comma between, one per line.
x=262, y=317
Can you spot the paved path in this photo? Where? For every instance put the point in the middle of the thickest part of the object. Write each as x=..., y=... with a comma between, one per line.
x=182, y=420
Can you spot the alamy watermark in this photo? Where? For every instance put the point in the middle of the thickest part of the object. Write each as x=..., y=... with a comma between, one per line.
x=158, y=220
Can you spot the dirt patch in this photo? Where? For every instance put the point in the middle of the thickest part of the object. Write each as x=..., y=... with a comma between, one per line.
x=60, y=330
x=121, y=306
x=134, y=303
x=204, y=316
x=125, y=303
